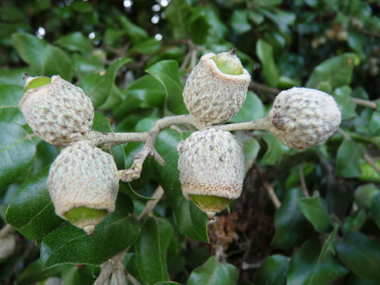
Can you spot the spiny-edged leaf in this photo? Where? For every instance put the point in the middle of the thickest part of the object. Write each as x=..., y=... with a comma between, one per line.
x=348, y=156
x=34, y=273
x=10, y=96
x=360, y=254
x=75, y=42
x=151, y=250
x=17, y=151
x=345, y=103
x=102, y=124
x=166, y=72
x=31, y=210
x=315, y=210
x=275, y=150
x=335, y=72
x=328, y=246
x=214, y=272
x=252, y=109
x=31, y=49
x=56, y=61
x=375, y=209
x=292, y=228
x=149, y=90
x=374, y=124
x=98, y=87
x=177, y=14
x=306, y=268
x=273, y=270
x=265, y=54
x=191, y=221
x=69, y=244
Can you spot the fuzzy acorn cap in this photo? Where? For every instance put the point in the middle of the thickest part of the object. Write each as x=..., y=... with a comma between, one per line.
x=83, y=176
x=59, y=113
x=303, y=117
x=7, y=245
x=212, y=96
x=211, y=163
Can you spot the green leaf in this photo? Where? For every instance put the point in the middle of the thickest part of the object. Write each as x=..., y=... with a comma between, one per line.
x=151, y=250
x=34, y=273
x=291, y=226
x=45, y=155
x=273, y=270
x=17, y=151
x=307, y=268
x=355, y=221
x=315, y=210
x=31, y=210
x=198, y=27
x=149, y=46
x=214, y=272
x=360, y=254
x=149, y=90
x=69, y=244
x=240, y=22
x=87, y=66
x=127, y=189
x=275, y=150
x=98, y=87
x=71, y=274
x=255, y=17
x=75, y=42
x=191, y=221
x=177, y=14
x=368, y=173
x=348, y=156
x=265, y=54
x=251, y=148
x=167, y=283
x=134, y=32
x=10, y=96
x=374, y=124
x=336, y=72
x=328, y=246
x=345, y=104
x=166, y=72
x=252, y=109
x=375, y=210
x=56, y=61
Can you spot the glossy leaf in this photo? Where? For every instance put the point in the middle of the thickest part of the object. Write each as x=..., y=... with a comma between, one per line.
x=75, y=42
x=45, y=155
x=134, y=32
x=240, y=22
x=31, y=210
x=34, y=273
x=273, y=270
x=10, y=96
x=275, y=150
x=360, y=254
x=265, y=54
x=166, y=72
x=251, y=148
x=252, y=109
x=17, y=151
x=87, y=66
x=214, y=272
x=149, y=90
x=374, y=125
x=375, y=210
x=329, y=247
x=199, y=26
x=71, y=274
x=69, y=244
x=368, y=173
x=307, y=268
x=348, y=156
x=56, y=61
x=291, y=226
x=315, y=210
x=345, y=104
x=98, y=87
x=178, y=13
x=151, y=250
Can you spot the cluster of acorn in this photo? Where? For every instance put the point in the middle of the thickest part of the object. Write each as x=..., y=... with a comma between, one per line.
x=83, y=180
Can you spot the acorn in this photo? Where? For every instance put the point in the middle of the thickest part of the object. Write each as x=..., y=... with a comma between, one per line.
x=57, y=111
x=7, y=246
x=83, y=185
x=303, y=117
x=216, y=88
x=211, y=169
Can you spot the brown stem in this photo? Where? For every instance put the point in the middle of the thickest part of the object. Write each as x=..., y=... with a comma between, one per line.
x=260, y=124
x=364, y=103
x=150, y=205
x=272, y=195
x=303, y=184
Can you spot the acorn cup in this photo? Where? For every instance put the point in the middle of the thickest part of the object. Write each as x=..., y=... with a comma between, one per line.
x=216, y=88
x=57, y=111
x=303, y=117
x=83, y=185
x=211, y=169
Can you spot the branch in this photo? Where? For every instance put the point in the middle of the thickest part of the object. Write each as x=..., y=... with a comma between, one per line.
x=303, y=183
x=272, y=195
x=365, y=103
x=150, y=205
x=260, y=124
x=262, y=87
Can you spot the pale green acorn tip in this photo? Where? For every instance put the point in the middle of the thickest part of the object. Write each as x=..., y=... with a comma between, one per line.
x=35, y=82
x=229, y=63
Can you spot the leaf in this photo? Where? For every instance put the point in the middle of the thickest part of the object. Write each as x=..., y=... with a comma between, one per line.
x=275, y=150
x=149, y=46
x=360, y=254
x=34, y=273
x=98, y=87
x=199, y=26
x=368, y=173
x=345, y=104
x=273, y=270
x=348, y=156
x=375, y=210
x=251, y=148
x=17, y=151
x=336, y=72
x=355, y=221
x=166, y=72
x=31, y=210
x=239, y=22
x=45, y=155
x=177, y=14
x=87, y=66
x=71, y=274
x=291, y=226
x=191, y=221
x=265, y=54
x=56, y=61
x=75, y=42
x=307, y=268
x=10, y=96
x=315, y=210
x=69, y=244
x=252, y=109
x=328, y=246
x=134, y=32
x=214, y=272
x=151, y=250
x=374, y=124
x=149, y=90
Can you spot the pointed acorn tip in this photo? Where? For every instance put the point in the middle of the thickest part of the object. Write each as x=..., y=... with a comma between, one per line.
x=89, y=230
x=233, y=51
x=26, y=76
x=211, y=216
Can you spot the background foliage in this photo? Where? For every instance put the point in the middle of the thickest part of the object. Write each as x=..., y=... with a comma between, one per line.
x=132, y=59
